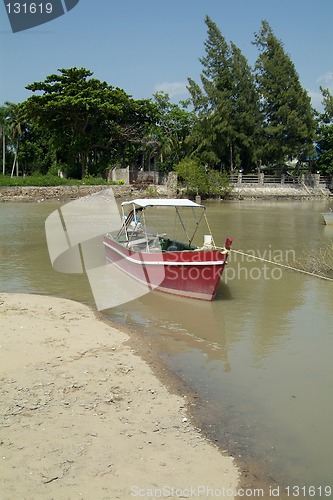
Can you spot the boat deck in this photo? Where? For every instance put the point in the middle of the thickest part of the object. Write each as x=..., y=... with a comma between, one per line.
x=153, y=243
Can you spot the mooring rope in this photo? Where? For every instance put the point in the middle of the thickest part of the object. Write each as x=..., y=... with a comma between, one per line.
x=290, y=268
x=210, y=231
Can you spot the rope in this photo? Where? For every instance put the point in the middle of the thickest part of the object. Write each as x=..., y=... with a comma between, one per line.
x=282, y=265
x=209, y=229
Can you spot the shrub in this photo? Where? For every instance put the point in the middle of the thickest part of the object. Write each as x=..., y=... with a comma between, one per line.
x=202, y=180
x=49, y=180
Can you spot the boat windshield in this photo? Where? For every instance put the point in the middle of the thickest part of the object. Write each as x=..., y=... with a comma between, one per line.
x=178, y=219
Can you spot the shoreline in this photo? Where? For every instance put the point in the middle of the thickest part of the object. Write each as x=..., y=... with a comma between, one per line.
x=56, y=193
x=255, y=478
x=85, y=415
x=68, y=193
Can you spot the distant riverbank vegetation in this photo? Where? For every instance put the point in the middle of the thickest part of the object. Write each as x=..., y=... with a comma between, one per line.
x=237, y=118
x=49, y=180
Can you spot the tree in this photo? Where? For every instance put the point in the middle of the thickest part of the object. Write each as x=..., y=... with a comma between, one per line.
x=166, y=137
x=227, y=104
x=90, y=121
x=327, y=102
x=37, y=153
x=12, y=128
x=289, y=124
x=211, y=101
x=325, y=134
x=246, y=112
x=3, y=134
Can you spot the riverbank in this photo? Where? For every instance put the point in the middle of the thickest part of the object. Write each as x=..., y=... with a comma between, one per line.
x=68, y=193
x=56, y=193
x=278, y=191
x=84, y=416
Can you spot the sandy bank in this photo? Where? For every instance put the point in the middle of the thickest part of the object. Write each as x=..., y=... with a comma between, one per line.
x=83, y=416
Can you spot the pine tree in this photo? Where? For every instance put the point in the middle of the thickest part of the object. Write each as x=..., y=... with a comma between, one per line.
x=226, y=104
x=246, y=112
x=289, y=124
x=211, y=101
x=325, y=134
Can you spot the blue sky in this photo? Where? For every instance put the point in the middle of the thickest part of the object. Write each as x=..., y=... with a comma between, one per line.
x=147, y=45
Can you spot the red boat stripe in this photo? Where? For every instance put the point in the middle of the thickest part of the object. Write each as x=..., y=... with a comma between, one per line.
x=165, y=262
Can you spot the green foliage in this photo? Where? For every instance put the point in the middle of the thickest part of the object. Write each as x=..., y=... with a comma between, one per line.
x=325, y=135
x=164, y=142
x=226, y=104
x=34, y=180
x=193, y=175
x=89, y=121
x=218, y=183
x=151, y=192
x=201, y=180
x=325, y=144
x=12, y=129
x=327, y=116
x=51, y=180
x=90, y=180
x=288, y=118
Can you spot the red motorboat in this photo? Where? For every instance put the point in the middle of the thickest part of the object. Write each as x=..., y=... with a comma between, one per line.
x=160, y=260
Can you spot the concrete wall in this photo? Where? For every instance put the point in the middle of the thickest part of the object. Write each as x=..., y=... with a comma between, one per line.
x=119, y=174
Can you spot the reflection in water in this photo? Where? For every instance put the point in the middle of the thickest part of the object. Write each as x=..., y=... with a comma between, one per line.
x=259, y=357
x=263, y=364
x=195, y=325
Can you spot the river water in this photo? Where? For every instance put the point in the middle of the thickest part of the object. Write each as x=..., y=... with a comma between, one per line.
x=259, y=357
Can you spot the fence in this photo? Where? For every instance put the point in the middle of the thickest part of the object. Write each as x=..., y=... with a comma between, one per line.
x=311, y=180
x=130, y=176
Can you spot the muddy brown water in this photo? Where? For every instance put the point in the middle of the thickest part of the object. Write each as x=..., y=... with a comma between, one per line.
x=259, y=357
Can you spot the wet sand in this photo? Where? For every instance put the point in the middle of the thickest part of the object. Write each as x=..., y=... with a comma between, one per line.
x=82, y=415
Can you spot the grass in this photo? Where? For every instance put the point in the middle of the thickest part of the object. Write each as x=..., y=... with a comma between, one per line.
x=52, y=180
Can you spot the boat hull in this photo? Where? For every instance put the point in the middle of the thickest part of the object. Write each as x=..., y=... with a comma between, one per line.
x=194, y=274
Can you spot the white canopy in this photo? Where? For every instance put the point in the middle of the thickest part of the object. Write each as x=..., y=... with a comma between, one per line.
x=162, y=202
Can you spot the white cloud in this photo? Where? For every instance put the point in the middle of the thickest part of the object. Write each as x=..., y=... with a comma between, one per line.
x=326, y=80
x=173, y=89
x=316, y=99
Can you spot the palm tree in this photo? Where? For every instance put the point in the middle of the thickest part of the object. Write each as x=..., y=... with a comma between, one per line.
x=15, y=123
x=3, y=134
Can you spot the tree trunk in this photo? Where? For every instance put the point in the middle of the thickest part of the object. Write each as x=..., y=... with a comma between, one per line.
x=231, y=153
x=84, y=163
x=17, y=146
x=14, y=163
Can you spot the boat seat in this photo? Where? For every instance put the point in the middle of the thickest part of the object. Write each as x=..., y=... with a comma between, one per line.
x=132, y=243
